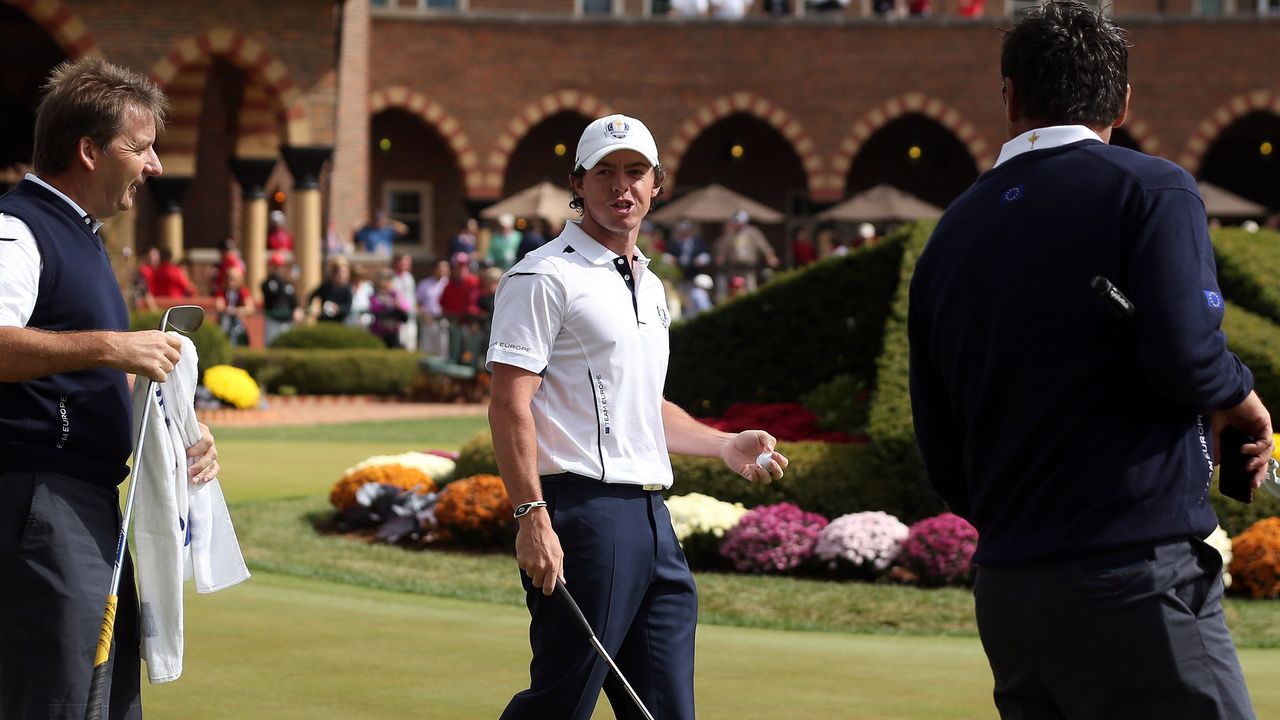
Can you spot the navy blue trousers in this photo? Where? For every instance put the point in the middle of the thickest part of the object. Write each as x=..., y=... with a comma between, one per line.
x=1132, y=633
x=58, y=539
x=624, y=567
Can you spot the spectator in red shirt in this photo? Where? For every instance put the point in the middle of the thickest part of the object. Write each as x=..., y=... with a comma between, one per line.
x=278, y=236
x=168, y=280
x=460, y=297
x=230, y=259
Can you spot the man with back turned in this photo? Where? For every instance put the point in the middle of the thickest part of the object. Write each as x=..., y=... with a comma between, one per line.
x=1079, y=442
x=64, y=396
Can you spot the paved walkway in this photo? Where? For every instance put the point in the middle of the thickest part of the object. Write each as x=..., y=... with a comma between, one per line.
x=316, y=409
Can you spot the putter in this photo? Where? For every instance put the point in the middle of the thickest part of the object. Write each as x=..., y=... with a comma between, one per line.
x=563, y=592
x=185, y=319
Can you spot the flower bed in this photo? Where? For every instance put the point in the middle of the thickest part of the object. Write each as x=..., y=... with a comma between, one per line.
x=788, y=421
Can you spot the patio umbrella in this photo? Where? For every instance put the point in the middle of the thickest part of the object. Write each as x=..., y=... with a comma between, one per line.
x=882, y=203
x=544, y=200
x=1222, y=203
x=714, y=203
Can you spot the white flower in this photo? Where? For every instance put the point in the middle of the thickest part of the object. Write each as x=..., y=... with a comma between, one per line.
x=865, y=539
x=1221, y=542
x=698, y=513
x=433, y=466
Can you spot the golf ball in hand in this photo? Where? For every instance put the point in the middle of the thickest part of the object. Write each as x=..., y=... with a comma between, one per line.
x=764, y=458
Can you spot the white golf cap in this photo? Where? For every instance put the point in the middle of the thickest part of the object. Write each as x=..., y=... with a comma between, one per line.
x=611, y=133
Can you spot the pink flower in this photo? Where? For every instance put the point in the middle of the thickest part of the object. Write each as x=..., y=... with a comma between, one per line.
x=772, y=538
x=939, y=550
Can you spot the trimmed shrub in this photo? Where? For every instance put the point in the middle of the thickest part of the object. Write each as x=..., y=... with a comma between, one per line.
x=862, y=545
x=476, y=456
x=477, y=510
x=939, y=551
x=332, y=372
x=211, y=343
x=841, y=405
x=772, y=539
x=1248, y=264
x=327, y=335
x=828, y=317
x=1255, y=562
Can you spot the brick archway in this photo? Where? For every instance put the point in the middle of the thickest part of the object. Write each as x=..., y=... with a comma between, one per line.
x=756, y=106
x=434, y=114
x=1142, y=134
x=181, y=72
x=1227, y=113
x=66, y=28
x=890, y=110
x=550, y=104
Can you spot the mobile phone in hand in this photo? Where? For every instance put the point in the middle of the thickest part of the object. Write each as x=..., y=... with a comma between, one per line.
x=1233, y=480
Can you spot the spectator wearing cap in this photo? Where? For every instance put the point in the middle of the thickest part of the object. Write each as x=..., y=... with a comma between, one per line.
x=278, y=236
x=459, y=304
x=866, y=235
x=581, y=434
x=504, y=243
x=379, y=235
x=280, y=310
x=433, y=327
x=230, y=259
x=741, y=250
x=700, y=299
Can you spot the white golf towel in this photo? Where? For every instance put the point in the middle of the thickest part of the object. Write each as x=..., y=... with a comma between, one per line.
x=180, y=530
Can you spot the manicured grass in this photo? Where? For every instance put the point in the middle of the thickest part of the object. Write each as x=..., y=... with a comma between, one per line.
x=293, y=648
x=294, y=461
x=418, y=434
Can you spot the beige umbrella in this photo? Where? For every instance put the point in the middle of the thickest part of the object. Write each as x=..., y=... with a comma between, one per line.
x=1222, y=203
x=714, y=203
x=882, y=203
x=544, y=200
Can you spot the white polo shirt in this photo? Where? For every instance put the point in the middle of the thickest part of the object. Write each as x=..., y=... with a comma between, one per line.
x=568, y=312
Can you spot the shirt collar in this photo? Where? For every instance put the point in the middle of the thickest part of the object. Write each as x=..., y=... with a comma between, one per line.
x=593, y=251
x=1043, y=139
x=79, y=210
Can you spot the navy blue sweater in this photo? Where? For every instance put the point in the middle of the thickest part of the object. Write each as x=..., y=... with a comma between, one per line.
x=1047, y=420
x=73, y=423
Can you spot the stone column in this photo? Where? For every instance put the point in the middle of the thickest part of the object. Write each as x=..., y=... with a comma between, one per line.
x=253, y=173
x=169, y=193
x=305, y=164
x=349, y=180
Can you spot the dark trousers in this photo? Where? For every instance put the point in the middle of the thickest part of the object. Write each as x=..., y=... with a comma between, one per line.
x=58, y=539
x=1133, y=633
x=624, y=567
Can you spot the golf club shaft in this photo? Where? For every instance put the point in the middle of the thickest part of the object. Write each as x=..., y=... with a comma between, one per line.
x=595, y=643
x=97, y=686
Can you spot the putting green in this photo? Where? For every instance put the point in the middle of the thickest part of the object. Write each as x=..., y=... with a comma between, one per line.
x=284, y=648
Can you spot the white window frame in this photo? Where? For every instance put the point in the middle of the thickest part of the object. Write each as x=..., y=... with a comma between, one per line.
x=615, y=11
x=426, y=207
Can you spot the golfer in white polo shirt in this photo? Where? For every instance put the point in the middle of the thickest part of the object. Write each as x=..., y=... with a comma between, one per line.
x=582, y=433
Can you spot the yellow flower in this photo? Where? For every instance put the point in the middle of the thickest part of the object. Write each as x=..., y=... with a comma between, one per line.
x=232, y=385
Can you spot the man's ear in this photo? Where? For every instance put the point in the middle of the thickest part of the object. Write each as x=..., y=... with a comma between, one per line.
x=1124, y=109
x=87, y=153
x=1012, y=113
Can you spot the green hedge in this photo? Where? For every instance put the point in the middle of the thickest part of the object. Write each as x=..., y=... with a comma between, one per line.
x=211, y=343
x=332, y=372
x=796, y=332
x=827, y=478
x=327, y=335
x=1248, y=269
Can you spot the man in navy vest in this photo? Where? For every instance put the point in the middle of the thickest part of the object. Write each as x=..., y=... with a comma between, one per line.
x=1077, y=440
x=65, y=357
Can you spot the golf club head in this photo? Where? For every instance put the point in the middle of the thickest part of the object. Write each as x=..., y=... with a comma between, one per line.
x=186, y=319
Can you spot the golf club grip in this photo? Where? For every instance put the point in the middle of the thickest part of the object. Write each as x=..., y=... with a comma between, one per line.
x=563, y=592
x=97, y=686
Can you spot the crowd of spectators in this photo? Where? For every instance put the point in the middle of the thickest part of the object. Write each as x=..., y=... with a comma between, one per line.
x=446, y=312
x=739, y=9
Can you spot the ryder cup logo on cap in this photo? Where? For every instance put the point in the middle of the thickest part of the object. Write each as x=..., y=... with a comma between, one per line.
x=610, y=134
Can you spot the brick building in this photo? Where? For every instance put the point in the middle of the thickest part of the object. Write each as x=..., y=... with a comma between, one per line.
x=433, y=109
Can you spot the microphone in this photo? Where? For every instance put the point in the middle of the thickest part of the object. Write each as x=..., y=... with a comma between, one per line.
x=1115, y=299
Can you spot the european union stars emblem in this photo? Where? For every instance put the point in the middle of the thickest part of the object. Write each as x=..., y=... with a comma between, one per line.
x=1013, y=193
x=1213, y=298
